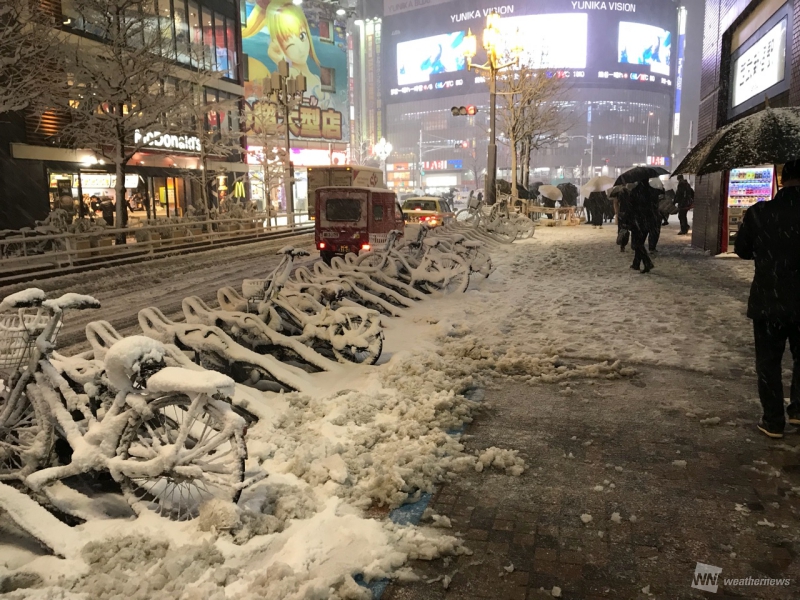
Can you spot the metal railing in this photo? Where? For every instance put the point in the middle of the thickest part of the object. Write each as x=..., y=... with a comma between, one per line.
x=33, y=251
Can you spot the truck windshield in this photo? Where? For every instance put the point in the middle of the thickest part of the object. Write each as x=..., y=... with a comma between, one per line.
x=420, y=205
x=343, y=209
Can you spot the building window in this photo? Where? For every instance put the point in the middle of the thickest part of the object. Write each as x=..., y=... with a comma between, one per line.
x=232, y=58
x=182, y=33
x=220, y=48
x=195, y=34
x=165, y=29
x=208, y=39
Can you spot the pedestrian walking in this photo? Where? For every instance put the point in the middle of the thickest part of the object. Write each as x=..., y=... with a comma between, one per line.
x=654, y=196
x=107, y=210
x=588, y=209
x=621, y=203
x=684, y=198
x=637, y=211
x=770, y=235
x=597, y=201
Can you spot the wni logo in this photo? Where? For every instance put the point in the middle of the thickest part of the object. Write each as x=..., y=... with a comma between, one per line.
x=706, y=578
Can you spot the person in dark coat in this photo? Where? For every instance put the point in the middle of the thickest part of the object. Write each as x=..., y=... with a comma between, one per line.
x=597, y=201
x=684, y=198
x=654, y=196
x=588, y=209
x=107, y=210
x=638, y=217
x=770, y=235
x=620, y=198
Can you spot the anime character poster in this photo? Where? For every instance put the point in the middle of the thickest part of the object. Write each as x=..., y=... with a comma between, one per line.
x=313, y=42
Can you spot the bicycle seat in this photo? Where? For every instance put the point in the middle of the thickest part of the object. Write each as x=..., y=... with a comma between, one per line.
x=176, y=379
x=293, y=252
x=24, y=299
x=432, y=242
x=124, y=360
x=472, y=244
x=458, y=239
x=70, y=300
x=300, y=252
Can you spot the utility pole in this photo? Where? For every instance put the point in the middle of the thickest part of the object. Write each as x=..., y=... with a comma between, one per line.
x=286, y=92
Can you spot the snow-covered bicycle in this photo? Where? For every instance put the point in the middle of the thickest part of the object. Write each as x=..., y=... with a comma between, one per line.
x=166, y=435
x=350, y=334
x=441, y=272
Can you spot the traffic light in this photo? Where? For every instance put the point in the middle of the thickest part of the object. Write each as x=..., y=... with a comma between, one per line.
x=464, y=111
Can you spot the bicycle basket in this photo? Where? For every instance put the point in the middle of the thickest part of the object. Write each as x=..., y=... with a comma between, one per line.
x=18, y=333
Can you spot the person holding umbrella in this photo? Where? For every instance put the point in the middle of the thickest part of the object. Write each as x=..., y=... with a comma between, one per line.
x=643, y=211
x=770, y=235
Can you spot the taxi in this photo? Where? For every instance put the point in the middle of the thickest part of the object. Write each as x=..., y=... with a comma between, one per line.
x=428, y=209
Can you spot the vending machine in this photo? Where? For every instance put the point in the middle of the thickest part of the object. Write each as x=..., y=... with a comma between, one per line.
x=745, y=188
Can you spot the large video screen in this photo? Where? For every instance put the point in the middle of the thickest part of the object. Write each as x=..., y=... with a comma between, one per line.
x=641, y=44
x=624, y=44
x=417, y=60
x=559, y=42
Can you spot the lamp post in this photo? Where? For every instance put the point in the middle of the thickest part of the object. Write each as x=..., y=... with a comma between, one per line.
x=492, y=44
x=286, y=92
x=647, y=138
x=382, y=150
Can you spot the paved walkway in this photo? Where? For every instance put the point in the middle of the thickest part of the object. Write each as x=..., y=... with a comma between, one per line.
x=670, y=468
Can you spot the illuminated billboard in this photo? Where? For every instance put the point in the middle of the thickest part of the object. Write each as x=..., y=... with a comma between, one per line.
x=560, y=41
x=641, y=44
x=619, y=44
x=313, y=42
x=761, y=66
x=417, y=60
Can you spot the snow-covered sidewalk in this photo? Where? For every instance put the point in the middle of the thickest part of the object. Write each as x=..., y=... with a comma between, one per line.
x=562, y=307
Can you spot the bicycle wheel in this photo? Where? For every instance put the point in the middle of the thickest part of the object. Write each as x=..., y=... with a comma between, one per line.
x=208, y=462
x=26, y=435
x=503, y=231
x=525, y=228
x=356, y=337
x=447, y=274
x=376, y=262
x=467, y=216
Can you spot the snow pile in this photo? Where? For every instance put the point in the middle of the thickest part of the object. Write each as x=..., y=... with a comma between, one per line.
x=504, y=460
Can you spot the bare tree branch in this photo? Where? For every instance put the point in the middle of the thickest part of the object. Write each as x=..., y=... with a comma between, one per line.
x=29, y=44
x=529, y=111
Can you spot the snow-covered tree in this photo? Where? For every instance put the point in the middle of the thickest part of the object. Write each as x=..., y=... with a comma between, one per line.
x=124, y=92
x=265, y=140
x=28, y=53
x=529, y=113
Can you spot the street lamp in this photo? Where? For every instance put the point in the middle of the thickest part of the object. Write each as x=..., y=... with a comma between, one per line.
x=382, y=150
x=492, y=44
x=286, y=92
x=647, y=138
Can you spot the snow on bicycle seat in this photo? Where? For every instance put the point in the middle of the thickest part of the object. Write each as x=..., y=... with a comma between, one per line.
x=71, y=300
x=24, y=299
x=457, y=239
x=431, y=242
x=185, y=381
x=472, y=244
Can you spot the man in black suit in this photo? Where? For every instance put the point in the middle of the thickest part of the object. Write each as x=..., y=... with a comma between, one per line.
x=770, y=235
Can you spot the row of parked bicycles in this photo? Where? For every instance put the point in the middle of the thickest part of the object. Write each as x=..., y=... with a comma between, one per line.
x=503, y=222
x=165, y=413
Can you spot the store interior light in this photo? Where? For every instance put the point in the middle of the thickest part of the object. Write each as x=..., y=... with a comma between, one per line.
x=341, y=12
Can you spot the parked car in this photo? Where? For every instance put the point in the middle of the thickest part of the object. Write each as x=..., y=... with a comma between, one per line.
x=352, y=219
x=428, y=209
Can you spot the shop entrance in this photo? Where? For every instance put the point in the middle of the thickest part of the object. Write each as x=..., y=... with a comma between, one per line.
x=169, y=195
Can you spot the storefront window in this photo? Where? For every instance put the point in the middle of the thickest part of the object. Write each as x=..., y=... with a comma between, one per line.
x=208, y=40
x=220, y=47
x=182, y=32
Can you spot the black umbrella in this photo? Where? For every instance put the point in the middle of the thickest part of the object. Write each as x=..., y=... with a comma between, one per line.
x=640, y=174
x=768, y=137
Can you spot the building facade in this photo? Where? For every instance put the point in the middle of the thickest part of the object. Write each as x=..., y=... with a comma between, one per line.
x=37, y=171
x=751, y=53
x=619, y=69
